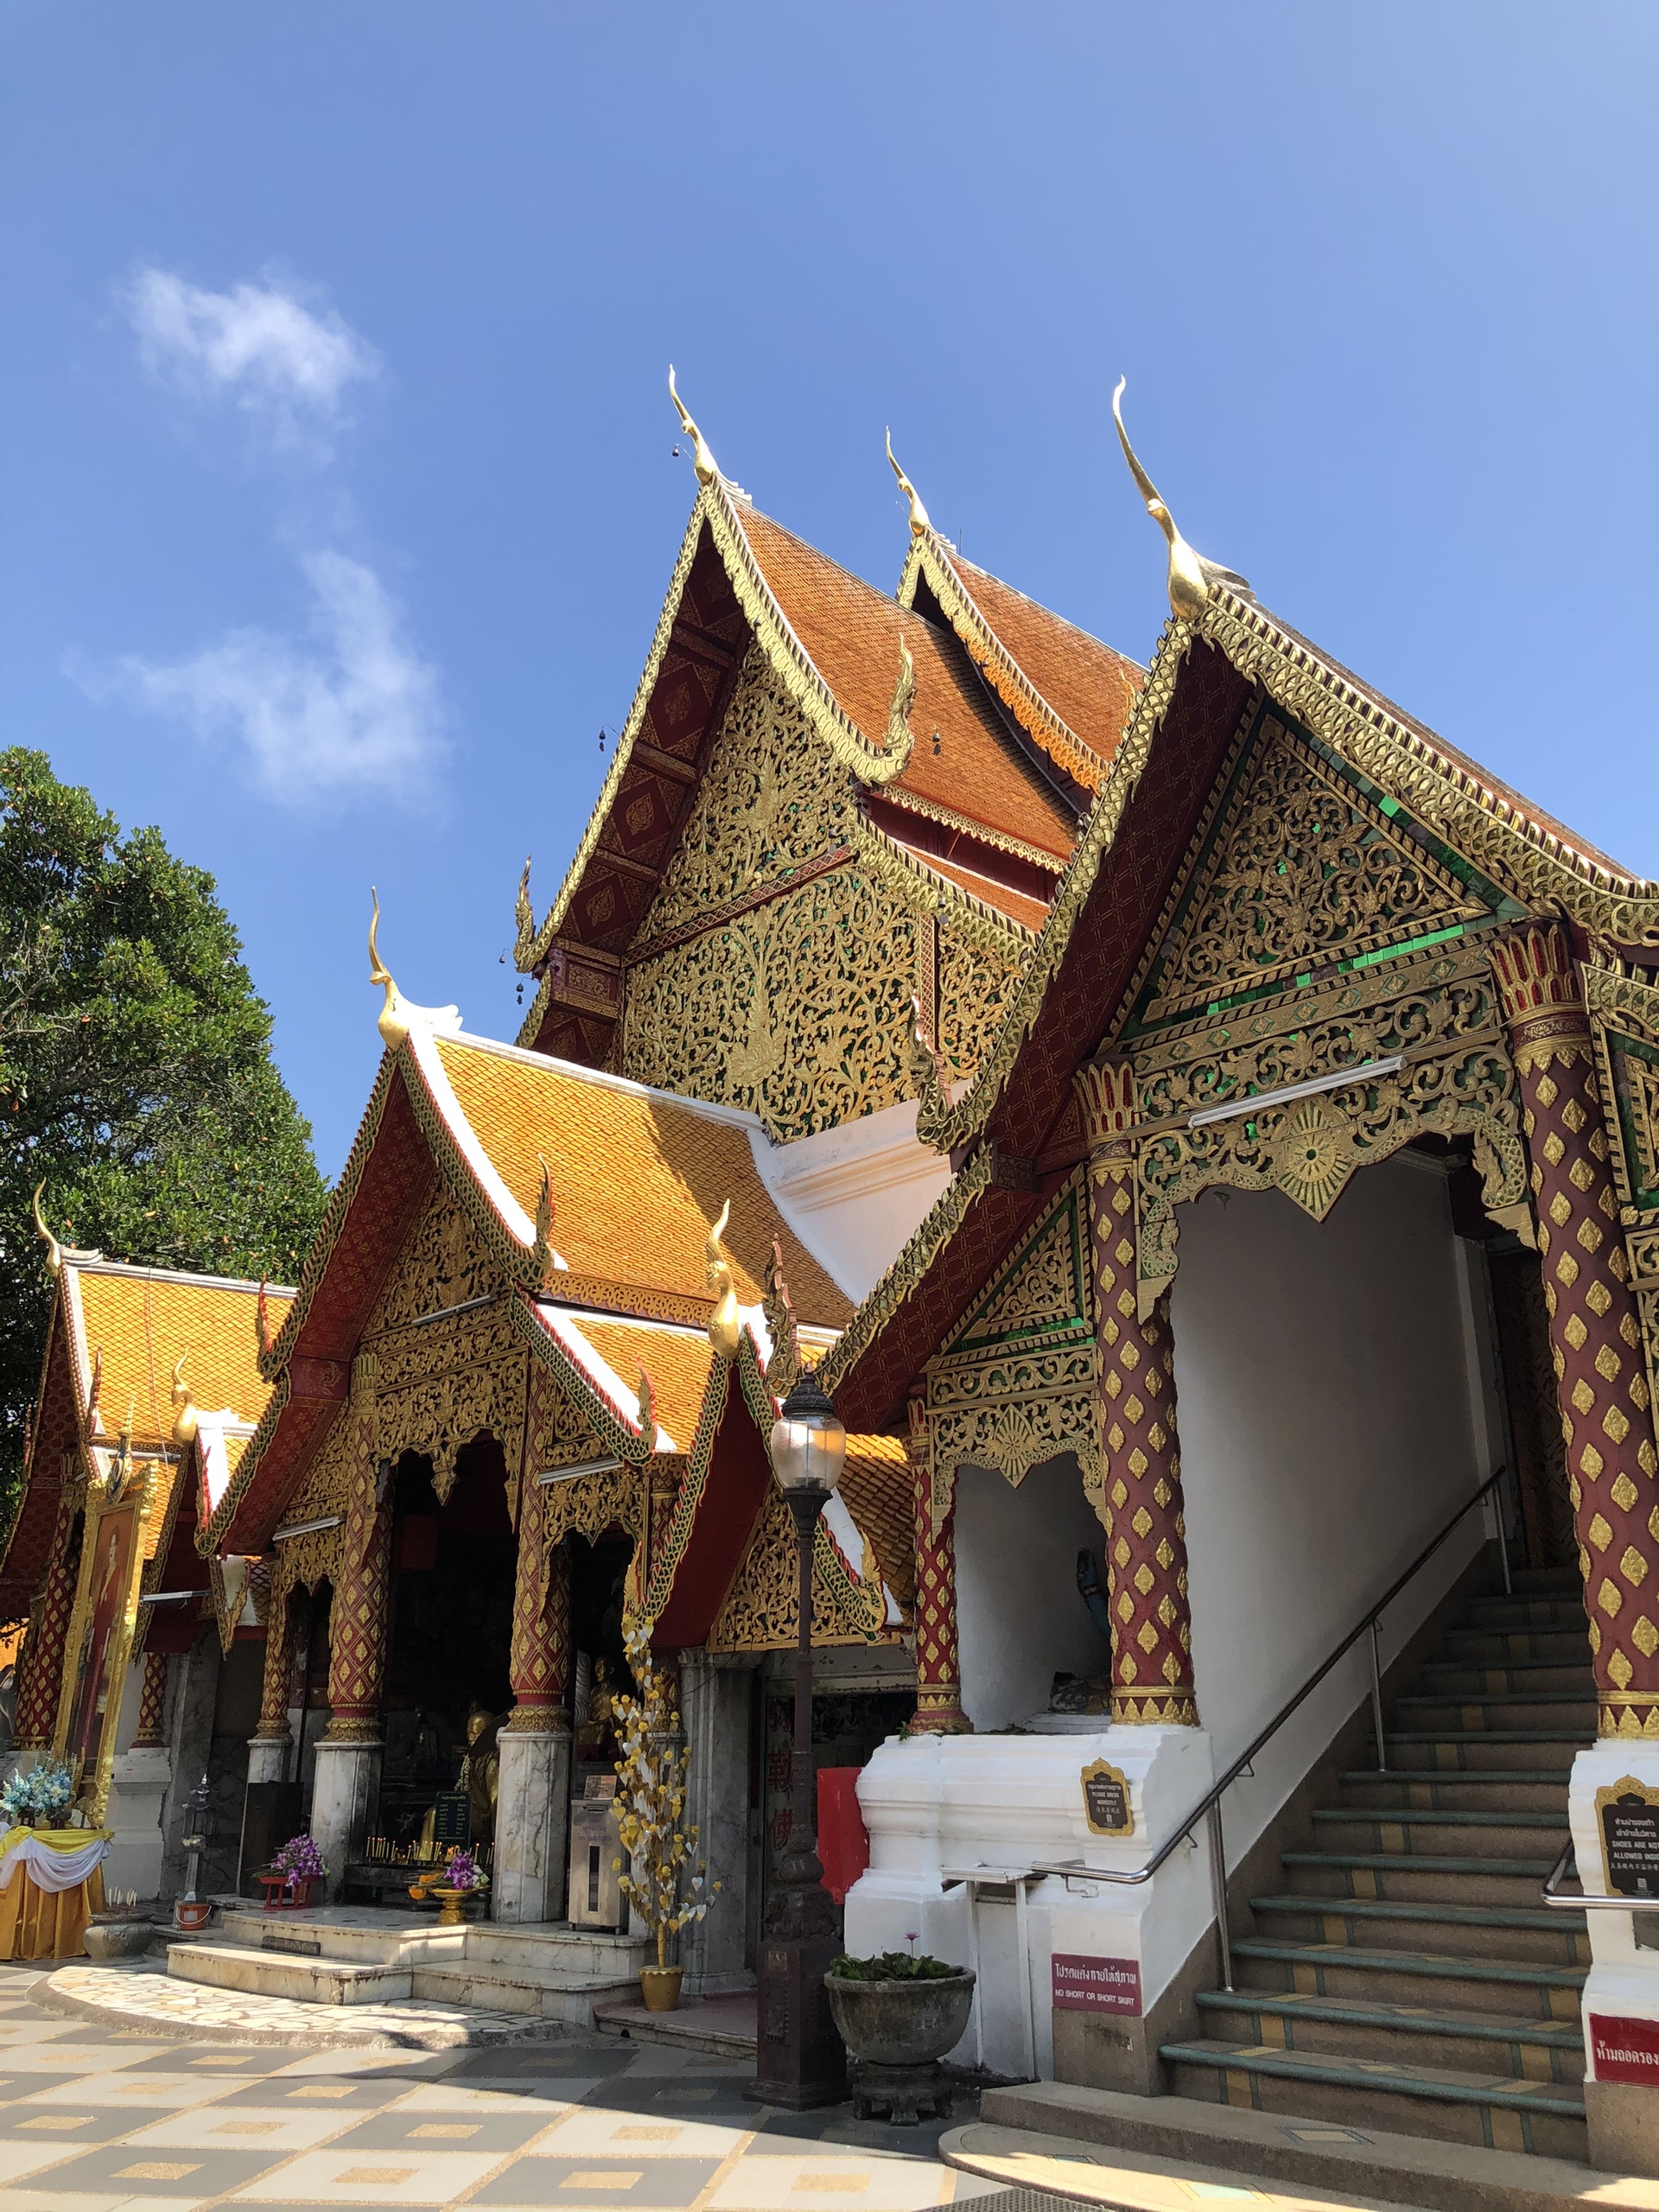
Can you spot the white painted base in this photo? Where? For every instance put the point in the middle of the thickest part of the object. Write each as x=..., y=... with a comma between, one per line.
x=531, y=1826
x=138, y=1783
x=1623, y=1980
x=267, y=1758
x=343, y=1803
x=934, y=1802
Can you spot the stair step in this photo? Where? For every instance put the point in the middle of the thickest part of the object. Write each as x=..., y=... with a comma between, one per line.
x=1559, y=1646
x=1408, y=1830
x=277, y=1973
x=1505, y=1709
x=1486, y=2111
x=1457, y=1679
x=1529, y=2049
x=1543, y=1937
x=547, y=1995
x=1419, y=1878
x=1513, y=1614
x=1435, y=1979
x=1412, y=1750
x=1542, y=1580
x=1450, y=1790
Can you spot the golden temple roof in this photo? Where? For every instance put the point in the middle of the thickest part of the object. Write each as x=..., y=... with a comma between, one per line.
x=135, y=1323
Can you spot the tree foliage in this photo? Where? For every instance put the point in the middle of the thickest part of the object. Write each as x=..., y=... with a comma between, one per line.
x=135, y=1078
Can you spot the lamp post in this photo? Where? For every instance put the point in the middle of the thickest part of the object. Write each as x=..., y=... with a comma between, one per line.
x=799, y=2058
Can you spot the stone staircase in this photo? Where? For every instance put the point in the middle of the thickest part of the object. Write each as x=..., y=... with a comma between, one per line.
x=346, y=1954
x=1407, y=1976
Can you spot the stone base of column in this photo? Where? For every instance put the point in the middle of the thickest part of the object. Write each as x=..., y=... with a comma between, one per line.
x=344, y=1801
x=138, y=1785
x=938, y=1711
x=532, y=1825
x=714, y=1694
x=267, y=1758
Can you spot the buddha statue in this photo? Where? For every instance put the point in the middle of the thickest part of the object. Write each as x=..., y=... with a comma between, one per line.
x=481, y=1771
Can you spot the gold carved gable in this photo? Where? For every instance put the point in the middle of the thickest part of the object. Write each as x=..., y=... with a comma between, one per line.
x=761, y=1610
x=1304, y=870
x=1016, y=1383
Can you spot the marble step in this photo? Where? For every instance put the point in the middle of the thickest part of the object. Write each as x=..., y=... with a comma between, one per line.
x=1487, y=2112
x=1540, y=1938
x=1523, y=2046
x=1461, y=1981
x=363, y=1935
x=275, y=1974
x=1538, y=1788
x=546, y=1995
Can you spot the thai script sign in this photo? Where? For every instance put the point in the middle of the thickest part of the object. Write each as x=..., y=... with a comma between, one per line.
x=1082, y=1985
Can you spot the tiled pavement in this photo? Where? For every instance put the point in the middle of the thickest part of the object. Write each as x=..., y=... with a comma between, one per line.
x=96, y=2119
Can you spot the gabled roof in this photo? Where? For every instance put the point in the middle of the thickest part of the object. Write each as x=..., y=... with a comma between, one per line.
x=128, y=1326
x=1011, y=1124
x=636, y=1179
x=1012, y=799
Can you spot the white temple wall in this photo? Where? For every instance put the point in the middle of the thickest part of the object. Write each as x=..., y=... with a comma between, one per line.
x=1337, y=1404
x=1020, y=1619
x=855, y=1193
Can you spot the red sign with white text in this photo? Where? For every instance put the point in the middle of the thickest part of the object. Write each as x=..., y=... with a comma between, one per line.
x=1082, y=1985
x=1624, y=2051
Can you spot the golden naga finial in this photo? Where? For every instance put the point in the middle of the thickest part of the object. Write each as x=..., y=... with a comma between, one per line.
x=919, y=525
x=546, y=1261
x=393, y=1023
x=1190, y=575
x=54, y=1250
x=185, y=1416
x=724, y=1327
x=121, y=1466
x=899, y=739
x=262, y=1321
x=784, y=1367
x=647, y=1409
x=702, y=459
x=94, y=1421
x=525, y=915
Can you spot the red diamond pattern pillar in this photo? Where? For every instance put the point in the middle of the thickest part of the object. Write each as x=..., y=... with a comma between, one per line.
x=357, y=1636
x=48, y=1636
x=1140, y=1460
x=938, y=1666
x=1595, y=1338
x=152, y=1701
x=539, y=1658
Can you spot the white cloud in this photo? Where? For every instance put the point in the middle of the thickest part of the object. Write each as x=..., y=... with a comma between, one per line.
x=260, y=347
x=360, y=712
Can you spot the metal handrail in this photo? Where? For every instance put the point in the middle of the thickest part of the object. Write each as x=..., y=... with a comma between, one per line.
x=1209, y=1808
x=1591, y=1900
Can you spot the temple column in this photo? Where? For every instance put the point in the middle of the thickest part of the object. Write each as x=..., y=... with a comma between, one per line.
x=1141, y=1460
x=268, y=1745
x=48, y=1633
x=152, y=1703
x=939, y=1664
x=532, y=1813
x=345, y=1793
x=1594, y=1332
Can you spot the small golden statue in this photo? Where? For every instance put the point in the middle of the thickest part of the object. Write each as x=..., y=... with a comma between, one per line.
x=481, y=1771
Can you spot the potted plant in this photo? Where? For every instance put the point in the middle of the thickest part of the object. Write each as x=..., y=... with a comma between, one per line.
x=460, y=1879
x=39, y=1798
x=651, y=1815
x=292, y=1875
x=898, y=2014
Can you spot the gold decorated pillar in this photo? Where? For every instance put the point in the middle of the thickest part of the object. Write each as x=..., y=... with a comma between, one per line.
x=45, y=1652
x=938, y=1666
x=357, y=1639
x=532, y=1813
x=1595, y=1338
x=152, y=1702
x=1141, y=1460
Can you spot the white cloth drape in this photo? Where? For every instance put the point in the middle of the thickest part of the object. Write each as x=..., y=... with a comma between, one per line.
x=53, y=1870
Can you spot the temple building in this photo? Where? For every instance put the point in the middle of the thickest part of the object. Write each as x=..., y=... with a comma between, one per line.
x=1204, y=1130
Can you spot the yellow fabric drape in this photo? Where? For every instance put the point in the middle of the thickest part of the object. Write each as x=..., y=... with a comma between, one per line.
x=36, y=1923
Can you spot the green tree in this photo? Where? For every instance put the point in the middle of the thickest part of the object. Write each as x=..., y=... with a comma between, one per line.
x=135, y=1078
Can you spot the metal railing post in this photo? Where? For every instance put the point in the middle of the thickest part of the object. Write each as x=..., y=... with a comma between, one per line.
x=1503, y=1539
x=1376, y=1697
x=1218, y=1889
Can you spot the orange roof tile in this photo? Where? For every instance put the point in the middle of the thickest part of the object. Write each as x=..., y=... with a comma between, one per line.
x=637, y=1178
x=1090, y=687
x=876, y=1482
x=678, y=1361
x=1033, y=912
x=853, y=633
x=143, y=1320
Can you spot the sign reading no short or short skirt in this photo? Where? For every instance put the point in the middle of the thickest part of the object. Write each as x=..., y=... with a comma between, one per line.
x=1082, y=1985
x=1624, y=2051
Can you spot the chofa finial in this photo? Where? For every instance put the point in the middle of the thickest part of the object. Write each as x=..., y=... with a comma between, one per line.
x=1190, y=575
x=725, y=1328
x=393, y=1023
x=702, y=459
x=919, y=525
x=54, y=1250
x=185, y=1416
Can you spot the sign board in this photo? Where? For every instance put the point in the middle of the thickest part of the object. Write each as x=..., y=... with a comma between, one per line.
x=1106, y=1801
x=1628, y=1817
x=452, y=1817
x=1082, y=1985
x=1624, y=2051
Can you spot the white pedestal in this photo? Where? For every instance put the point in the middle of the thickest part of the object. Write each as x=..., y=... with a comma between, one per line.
x=530, y=1824
x=267, y=1758
x=935, y=1802
x=1623, y=1980
x=344, y=1802
x=138, y=1783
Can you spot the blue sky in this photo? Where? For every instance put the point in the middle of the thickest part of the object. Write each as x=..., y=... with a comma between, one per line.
x=337, y=491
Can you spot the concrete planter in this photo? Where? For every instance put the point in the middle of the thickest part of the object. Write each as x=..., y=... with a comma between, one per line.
x=897, y=2033
x=118, y=1939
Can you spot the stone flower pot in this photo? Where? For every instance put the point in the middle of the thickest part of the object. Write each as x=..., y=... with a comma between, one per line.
x=896, y=2033
x=118, y=1935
